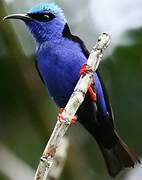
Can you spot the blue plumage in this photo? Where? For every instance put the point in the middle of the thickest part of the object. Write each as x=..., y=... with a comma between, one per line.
x=42, y=31
x=60, y=56
x=59, y=59
x=46, y=7
x=59, y=65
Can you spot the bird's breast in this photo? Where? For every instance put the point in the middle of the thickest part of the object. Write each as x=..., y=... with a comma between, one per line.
x=59, y=69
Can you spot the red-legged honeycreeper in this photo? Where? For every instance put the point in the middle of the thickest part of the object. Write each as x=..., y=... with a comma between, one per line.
x=60, y=56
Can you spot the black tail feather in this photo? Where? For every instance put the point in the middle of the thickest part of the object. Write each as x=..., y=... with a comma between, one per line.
x=118, y=157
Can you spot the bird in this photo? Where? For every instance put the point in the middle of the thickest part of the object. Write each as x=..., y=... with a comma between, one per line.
x=60, y=59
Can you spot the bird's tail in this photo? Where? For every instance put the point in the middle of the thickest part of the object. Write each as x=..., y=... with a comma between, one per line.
x=118, y=157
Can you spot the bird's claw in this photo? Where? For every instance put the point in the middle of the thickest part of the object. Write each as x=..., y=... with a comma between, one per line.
x=61, y=118
x=85, y=69
x=74, y=119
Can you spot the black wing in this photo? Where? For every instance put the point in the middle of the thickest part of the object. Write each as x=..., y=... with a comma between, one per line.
x=115, y=152
x=67, y=34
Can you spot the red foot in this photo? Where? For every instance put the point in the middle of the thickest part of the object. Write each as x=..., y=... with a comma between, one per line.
x=61, y=110
x=92, y=92
x=85, y=69
x=73, y=121
x=61, y=119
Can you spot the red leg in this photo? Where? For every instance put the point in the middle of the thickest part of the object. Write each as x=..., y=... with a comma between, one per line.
x=84, y=69
x=92, y=92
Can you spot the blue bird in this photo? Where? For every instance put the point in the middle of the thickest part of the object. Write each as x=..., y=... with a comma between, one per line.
x=60, y=56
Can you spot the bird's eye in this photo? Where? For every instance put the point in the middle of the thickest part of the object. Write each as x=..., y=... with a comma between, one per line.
x=45, y=16
x=42, y=17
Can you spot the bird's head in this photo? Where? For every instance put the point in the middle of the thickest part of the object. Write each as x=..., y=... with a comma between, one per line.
x=45, y=21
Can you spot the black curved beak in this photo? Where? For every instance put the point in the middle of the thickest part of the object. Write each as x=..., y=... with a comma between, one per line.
x=23, y=17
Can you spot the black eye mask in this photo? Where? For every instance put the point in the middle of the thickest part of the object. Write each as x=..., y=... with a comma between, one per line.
x=42, y=17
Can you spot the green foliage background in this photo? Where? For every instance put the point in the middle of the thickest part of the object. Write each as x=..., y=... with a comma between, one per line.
x=27, y=114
